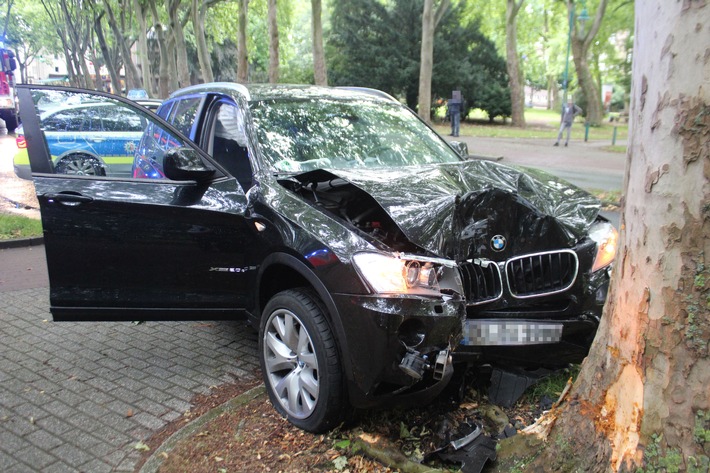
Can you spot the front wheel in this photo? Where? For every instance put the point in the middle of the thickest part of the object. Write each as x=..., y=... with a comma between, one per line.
x=80, y=165
x=300, y=362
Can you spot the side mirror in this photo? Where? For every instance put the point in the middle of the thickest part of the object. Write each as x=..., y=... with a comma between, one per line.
x=185, y=164
x=460, y=147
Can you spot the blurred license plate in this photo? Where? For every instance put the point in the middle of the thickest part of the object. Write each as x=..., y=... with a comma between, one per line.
x=496, y=332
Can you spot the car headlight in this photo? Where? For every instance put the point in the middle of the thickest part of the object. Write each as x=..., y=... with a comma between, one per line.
x=408, y=274
x=607, y=239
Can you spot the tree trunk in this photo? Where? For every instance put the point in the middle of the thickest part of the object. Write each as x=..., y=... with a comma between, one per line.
x=642, y=396
x=164, y=67
x=110, y=63
x=581, y=42
x=133, y=79
x=319, y=69
x=273, y=42
x=203, y=54
x=143, y=54
x=242, y=63
x=178, y=36
x=426, y=63
x=430, y=19
x=515, y=74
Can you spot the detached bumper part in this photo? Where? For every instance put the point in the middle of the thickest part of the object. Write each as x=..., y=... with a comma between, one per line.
x=416, y=365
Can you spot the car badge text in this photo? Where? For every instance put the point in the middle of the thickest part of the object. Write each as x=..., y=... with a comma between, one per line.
x=233, y=270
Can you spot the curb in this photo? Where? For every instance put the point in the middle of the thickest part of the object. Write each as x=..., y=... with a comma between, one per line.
x=21, y=243
x=155, y=460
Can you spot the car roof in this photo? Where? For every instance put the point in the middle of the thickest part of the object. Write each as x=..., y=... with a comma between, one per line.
x=258, y=92
x=64, y=107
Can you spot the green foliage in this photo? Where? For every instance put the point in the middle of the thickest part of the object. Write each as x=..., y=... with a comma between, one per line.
x=16, y=226
x=376, y=44
x=701, y=433
x=659, y=458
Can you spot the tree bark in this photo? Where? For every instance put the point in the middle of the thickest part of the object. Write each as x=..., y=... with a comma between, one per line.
x=581, y=41
x=143, y=55
x=430, y=19
x=203, y=54
x=515, y=73
x=273, y=41
x=178, y=36
x=133, y=79
x=320, y=71
x=242, y=62
x=110, y=63
x=164, y=66
x=642, y=396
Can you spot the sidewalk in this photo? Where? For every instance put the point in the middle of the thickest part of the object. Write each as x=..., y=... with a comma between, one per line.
x=77, y=397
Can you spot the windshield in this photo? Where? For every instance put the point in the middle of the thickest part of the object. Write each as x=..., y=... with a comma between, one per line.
x=302, y=135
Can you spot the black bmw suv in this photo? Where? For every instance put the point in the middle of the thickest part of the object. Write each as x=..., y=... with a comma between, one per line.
x=370, y=254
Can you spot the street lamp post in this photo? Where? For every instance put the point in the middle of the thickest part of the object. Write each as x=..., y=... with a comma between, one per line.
x=583, y=17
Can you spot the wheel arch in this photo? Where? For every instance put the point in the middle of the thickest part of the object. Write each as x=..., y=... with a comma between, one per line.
x=281, y=271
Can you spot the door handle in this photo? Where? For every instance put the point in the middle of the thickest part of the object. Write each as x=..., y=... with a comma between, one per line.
x=68, y=199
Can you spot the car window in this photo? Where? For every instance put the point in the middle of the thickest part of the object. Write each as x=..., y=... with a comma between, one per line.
x=304, y=134
x=63, y=120
x=228, y=142
x=183, y=115
x=95, y=136
x=120, y=119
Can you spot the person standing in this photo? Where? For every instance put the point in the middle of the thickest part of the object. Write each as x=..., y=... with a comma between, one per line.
x=454, y=107
x=569, y=111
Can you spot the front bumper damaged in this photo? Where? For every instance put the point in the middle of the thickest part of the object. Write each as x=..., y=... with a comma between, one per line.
x=399, y=347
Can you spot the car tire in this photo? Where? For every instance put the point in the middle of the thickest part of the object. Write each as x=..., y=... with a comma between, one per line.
x=300, y=362
x=80, y=165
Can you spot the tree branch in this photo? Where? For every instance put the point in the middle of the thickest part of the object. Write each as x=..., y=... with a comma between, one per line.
x=440, y=11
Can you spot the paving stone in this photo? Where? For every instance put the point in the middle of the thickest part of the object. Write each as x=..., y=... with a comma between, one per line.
x=77, y=381
x=35, y=457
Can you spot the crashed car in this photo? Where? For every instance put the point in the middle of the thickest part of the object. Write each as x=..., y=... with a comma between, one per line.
x=370, y=255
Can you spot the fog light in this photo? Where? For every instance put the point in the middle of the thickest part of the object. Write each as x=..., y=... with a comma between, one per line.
x=411, y=333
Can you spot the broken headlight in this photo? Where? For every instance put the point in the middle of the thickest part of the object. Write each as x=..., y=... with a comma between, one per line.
x=399, y=273
x=607, y=239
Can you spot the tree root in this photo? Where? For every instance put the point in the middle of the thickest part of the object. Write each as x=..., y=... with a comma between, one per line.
x=380, y=450
x=543, y=425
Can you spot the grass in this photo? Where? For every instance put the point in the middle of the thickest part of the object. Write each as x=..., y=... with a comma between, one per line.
x=553, y=385
x=16, y=226
x=539, y=124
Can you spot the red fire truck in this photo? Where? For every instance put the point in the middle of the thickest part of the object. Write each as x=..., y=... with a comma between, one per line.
x=8, y=110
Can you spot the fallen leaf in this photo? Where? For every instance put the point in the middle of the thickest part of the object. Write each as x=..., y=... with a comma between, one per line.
x=141, y=447
x=469, y=405
x=129, y=413
x=218, y=459
x=164, y=455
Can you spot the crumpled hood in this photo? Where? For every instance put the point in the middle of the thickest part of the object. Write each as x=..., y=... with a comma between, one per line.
x=453, y=210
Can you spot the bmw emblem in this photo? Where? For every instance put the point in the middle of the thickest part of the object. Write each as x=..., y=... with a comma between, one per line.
x=498, y=243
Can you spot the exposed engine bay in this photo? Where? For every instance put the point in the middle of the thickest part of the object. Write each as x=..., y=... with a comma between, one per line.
x=347, y=202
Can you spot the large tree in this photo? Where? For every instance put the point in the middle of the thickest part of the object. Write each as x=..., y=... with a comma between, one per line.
x=642, y=397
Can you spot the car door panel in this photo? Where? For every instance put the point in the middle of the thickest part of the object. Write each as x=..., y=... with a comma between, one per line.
x=138, y=249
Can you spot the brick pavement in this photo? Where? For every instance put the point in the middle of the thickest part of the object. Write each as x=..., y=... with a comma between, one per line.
x=66, y=388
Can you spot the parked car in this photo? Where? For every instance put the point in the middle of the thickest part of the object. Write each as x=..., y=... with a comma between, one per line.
x=368, y=253
x=85, y=137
